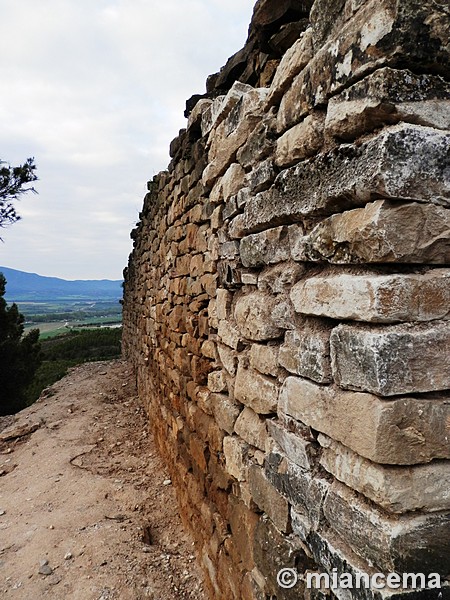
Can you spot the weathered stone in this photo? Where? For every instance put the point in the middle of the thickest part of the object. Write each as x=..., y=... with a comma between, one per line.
x=264, y=358
x=217, y=381
x=230, y=209
x=229, y=250
x=404, y=431
x=301, y=141
x=298, y=450
x=251, y=428
x=293, y=61
x=260, y=142
x=228, y=358
x=261, y=177
x=223, y=303
x=404, y=162
x=396, y=489
x=232, y=181
x=243, y=523
x=229, y=334
x=268, y=499
x=389, y=96
x=410, y=34
x=306, y=351
x=392, y=360
x=235, y=452
x=232, y=133
x=196, y=115
x=407, y=544
x=249, y=277
x=225, y=411
x=253, y=316
x=305, y=492
x=256, y=391
x=274, y=551
x=383, y=232
x=267, y=247
x=375, y=298
x=283, y=314
x=280, y=278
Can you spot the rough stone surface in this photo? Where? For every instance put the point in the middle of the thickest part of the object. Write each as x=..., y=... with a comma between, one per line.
x=396, y=489
x=297, y=449
x=300, y=142
x=235, y=452
x=404, y=162
x=404, y=431
x=265, y=248
x=256, y=391
x=268, y=499
x=253, y=317
x=392, y=360
x=306, y=351
x=375, y=298
x=389, y=96
x=412, y=544
x=383, y=232
x=251, y=428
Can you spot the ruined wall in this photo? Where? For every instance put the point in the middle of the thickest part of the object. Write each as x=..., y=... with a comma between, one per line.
x=286, y=301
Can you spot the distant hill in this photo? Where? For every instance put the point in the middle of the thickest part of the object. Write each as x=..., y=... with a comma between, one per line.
x=30, y=287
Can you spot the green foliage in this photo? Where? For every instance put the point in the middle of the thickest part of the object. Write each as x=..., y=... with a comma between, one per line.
x=20, y=356
x=70, y=349
x=13, y=182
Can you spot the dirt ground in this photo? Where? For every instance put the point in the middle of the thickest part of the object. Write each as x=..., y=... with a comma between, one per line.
x=87, y=511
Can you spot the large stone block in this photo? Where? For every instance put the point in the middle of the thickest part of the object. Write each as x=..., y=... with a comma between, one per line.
x=280, y=278
x=251, y=428
x=404, y=431
x=225, y=411
x=235, y=452
x=306, y=351
x=265, y=248
x=301, y=141
x=375, y=298
x=404, y=162
x=389, y=96
x=411, y=34
x=253, y=314
x=392, y=360
x=382, y=232
x=264, y=358
x=256, y=391
x=396, y=489
x=268, y=498
x=293, y=61
x=296, y=448
x=418, y=544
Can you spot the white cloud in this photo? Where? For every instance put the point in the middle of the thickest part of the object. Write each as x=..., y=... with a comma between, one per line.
x=96, y=91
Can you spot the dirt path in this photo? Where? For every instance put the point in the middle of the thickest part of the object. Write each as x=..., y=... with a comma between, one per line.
x=86, y=508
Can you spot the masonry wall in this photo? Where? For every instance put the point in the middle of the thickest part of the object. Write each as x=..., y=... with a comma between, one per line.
x=287, y=300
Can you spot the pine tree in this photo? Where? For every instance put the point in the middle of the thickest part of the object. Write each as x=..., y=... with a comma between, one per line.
x=20, y=356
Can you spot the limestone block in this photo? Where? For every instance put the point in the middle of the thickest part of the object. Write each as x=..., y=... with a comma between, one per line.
x=259, y=144
x=280, y=278
x=225, y=411
x=301, y=141
x=243, y=523
x=235, y=452
x=230, y=209
x=404, y=162
x=403, y=431
x=217, y=381
x=236, y=229
x=379, y=34
x=229, y=250
x=306, y=351
x=389, y=96
x=251, y=428
x=396, y=489
x=261, y=177
x=233, y=132
x=293, y=61
x=209, y=115
x=264, y=358
x=232, y=181
x=196, y=115
x=229, y=334
x=305, y=492
x=253, y=315
x=256, y=391
x=226, y=104
x=298, y=450
x=392, y=360
x=418, y=544
x=375, y=298
x=268, y=247
x=223, y=303
x=268, y=499
x=383, y=232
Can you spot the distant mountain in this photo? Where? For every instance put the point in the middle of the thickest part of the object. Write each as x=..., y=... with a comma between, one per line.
x=30, y=287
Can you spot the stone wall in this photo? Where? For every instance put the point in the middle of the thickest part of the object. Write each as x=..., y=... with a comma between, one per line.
x=286, y=302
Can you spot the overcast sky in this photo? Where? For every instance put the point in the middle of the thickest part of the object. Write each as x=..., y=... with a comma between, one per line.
x=95, y=91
